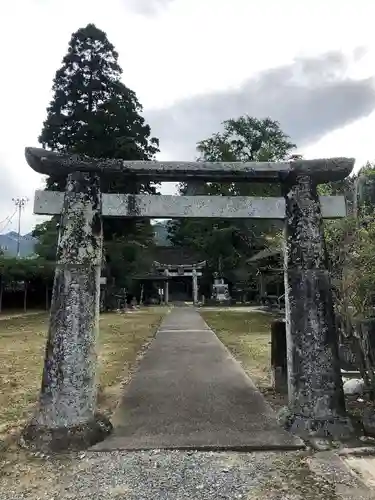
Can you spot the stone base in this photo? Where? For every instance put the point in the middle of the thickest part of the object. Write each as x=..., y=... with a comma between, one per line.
x=339, y=428
x=36, y=437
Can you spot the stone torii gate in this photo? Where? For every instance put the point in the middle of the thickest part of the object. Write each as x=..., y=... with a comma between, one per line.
x=66, y=414
x=171, y=271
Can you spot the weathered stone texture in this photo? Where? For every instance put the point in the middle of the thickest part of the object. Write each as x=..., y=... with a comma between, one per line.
x=68, y=394
x=316, y=396
x=196, y=206
x=324, y=170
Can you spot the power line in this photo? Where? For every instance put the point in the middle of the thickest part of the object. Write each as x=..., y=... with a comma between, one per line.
x=7, y=221
x=8, y=217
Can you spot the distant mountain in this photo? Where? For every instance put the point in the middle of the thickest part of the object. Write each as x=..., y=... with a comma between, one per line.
x=8, y=241
x=8, y=244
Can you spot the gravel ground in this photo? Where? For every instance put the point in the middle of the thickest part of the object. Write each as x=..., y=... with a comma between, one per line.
x=180, y=475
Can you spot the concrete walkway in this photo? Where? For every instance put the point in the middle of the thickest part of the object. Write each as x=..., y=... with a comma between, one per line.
x=190, y=393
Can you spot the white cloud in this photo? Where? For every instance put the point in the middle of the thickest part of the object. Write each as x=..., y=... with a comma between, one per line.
x=187, y=47
x=147, y=7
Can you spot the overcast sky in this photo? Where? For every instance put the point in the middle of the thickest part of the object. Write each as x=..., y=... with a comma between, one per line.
x=194, y=63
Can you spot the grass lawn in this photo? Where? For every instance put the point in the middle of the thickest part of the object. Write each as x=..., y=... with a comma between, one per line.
x=247, y=335
x=122, y=340
x=22, y=344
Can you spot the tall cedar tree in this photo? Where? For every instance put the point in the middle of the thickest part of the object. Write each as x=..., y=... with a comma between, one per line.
x=93, y=113
x=229, y=243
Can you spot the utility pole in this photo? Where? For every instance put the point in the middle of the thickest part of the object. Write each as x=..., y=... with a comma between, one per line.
x=20, y=204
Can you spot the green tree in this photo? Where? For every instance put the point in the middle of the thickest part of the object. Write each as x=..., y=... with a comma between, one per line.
x=351, y=243
x=248, y=139
x=351, y=250
x=47, y=234
x=93, y=113
x=228, y=243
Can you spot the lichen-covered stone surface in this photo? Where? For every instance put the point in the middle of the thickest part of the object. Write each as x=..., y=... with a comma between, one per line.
x=48, y=162
x=196, y=206
x=66, y=410
x=316, y=398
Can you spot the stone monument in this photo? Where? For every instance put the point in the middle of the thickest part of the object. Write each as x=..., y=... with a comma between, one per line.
x=220, y=290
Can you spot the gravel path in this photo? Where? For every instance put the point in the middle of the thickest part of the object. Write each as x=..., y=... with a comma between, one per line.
x=167, y=475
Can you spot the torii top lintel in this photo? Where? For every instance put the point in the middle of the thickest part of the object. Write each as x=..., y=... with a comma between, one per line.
x=197, y=265
x=322, y=170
